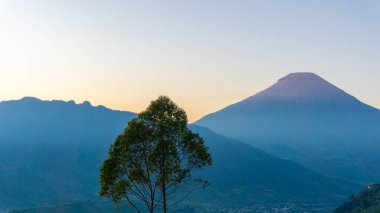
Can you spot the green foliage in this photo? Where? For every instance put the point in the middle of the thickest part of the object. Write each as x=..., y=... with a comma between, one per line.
x=153, y=157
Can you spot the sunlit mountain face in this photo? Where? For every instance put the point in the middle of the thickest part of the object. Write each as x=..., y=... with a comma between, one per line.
x=304, y=118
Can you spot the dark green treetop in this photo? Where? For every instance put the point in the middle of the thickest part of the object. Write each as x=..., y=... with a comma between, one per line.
x=153, y=157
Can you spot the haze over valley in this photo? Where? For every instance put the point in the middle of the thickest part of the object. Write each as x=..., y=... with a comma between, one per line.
x=297, y=145
x=198, y=106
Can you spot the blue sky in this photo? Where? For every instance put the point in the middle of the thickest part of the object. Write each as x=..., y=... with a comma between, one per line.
x=204, y=54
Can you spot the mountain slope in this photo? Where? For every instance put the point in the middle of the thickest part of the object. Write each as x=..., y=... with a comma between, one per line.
x=51, y=152
x=366, y=201
x=308, y=120
x=248, y=175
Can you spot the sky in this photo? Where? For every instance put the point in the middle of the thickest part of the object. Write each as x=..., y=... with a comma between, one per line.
x=204, y=54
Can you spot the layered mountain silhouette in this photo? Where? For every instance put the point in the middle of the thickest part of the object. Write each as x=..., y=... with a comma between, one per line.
x=306, y=119
x=51, y=152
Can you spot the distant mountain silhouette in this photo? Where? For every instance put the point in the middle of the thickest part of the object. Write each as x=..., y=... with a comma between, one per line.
x=306, y=119
x=51, y=151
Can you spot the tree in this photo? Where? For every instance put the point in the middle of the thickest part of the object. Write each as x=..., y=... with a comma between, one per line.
x=153, y=158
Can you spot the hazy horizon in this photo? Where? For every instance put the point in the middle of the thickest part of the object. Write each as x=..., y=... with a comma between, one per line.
x=281, y=98
x=203, y=54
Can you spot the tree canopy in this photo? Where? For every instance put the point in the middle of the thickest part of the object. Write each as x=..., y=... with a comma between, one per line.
x=153, y=157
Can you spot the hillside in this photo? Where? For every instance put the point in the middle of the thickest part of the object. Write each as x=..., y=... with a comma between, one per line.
x=243, y=175
x=76, y=207
x=51, y=152
x=366, y=201
x=308, y=120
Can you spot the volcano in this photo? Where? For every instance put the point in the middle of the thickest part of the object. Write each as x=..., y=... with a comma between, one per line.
x=306, y=119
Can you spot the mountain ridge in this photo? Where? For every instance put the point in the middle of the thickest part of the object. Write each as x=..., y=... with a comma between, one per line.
x=288, y=123
x=313, y=90
x=31, y=99
x=52, y=147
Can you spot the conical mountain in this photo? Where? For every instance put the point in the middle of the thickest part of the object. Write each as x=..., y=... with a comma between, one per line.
x=306, y=86
x=306, y=119
x=305, y=91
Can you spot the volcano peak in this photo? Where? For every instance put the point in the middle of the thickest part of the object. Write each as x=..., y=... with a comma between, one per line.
x=301, y=85
x=300, y=77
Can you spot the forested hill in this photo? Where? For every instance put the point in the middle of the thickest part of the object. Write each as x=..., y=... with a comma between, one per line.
x=366, y=201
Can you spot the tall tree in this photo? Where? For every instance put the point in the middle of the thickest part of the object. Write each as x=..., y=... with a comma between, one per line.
x=153, y=158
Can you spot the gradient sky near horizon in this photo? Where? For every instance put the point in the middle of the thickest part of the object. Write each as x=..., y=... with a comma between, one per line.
x=204, y=54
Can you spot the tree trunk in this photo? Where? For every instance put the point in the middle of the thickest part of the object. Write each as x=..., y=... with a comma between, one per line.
x=151, y=201
x=164, y=192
